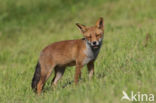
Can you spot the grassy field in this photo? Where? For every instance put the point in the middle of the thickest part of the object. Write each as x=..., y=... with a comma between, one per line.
x=127, y=60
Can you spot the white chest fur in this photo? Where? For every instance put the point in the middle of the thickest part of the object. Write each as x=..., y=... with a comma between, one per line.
x=90, y=54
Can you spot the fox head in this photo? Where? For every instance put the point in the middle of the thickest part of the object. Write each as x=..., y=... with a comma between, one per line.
x=93, y=34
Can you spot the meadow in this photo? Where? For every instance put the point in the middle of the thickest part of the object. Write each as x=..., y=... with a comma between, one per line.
x=127, y=60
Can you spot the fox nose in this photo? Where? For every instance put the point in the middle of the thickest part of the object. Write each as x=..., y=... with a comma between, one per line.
x=94, y=42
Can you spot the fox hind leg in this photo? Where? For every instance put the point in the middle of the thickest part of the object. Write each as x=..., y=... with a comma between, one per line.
x=59, y=71
x=46, y=71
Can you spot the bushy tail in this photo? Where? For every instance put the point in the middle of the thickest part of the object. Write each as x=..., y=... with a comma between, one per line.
x=36, y=77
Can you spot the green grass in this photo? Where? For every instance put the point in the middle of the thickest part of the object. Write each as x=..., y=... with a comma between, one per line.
x=124, y=63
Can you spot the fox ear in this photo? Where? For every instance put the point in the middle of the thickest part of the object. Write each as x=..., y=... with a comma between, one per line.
x=83, y=28
x=100, y=23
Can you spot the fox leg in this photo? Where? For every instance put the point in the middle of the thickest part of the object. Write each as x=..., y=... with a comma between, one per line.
x=90, y=67
x=40, y=84
x=78, y=72
x=46, y=71
x=59, y=71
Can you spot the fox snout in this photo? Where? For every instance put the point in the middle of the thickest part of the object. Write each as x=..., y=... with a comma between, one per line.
x=96, y=44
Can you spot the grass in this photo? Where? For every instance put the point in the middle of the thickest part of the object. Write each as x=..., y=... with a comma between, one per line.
x=124, y=62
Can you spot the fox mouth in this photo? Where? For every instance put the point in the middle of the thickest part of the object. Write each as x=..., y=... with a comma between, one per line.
x=95, y=46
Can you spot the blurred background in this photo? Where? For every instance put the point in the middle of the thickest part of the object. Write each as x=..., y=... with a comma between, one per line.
x=126, y=60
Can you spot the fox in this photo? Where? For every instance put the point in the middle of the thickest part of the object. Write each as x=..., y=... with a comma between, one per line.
x=80, y=52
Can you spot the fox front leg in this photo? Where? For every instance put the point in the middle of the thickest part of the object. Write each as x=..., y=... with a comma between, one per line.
x=78, y=73
x=90, y=67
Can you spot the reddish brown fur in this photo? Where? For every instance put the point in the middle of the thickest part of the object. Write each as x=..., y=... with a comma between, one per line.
x=59, y=55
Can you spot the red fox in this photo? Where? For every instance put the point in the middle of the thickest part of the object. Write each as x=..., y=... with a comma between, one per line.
x=57, y=56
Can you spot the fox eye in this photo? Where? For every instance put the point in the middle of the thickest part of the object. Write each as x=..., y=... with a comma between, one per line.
x=97, y=35
x=88, y=37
